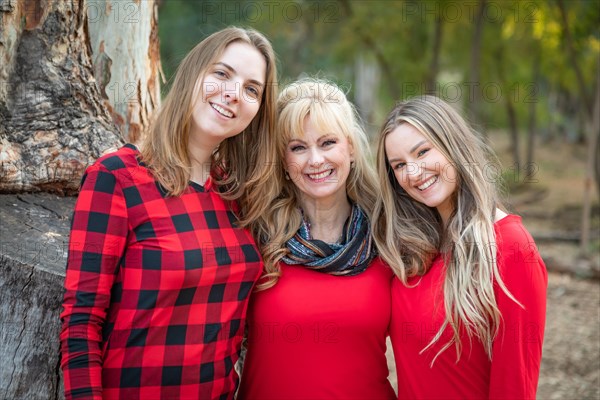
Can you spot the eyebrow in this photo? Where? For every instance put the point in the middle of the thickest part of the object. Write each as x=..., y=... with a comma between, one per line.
x=416, y=146
x=230, y=68
x=324, y=136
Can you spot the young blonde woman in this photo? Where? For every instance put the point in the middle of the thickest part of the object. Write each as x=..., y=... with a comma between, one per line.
x=468, y=307
x=317, y=325
x=159, y=272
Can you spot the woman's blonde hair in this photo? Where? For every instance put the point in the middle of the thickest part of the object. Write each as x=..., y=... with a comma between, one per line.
x=331, y=111
x=409, y=234
x=239, y=163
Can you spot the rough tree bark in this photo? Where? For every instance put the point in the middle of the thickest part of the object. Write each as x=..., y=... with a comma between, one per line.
x=55, y=118
x=77, y=78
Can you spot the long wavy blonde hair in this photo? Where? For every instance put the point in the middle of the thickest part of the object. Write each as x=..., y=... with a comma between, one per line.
x=329, y=109
x=241, y=163
x=409, y=234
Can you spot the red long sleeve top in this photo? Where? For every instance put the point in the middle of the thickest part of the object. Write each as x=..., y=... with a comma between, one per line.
x=319, y=336
x=418, y=312
x=156, y=288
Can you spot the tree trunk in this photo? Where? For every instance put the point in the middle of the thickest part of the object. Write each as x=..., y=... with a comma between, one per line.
x=365, y=96
x=573, y=58
x=590, y=173
x=510, y=111
x=371, y=43
x=125, y=48
x=475, y=100
x=532, y=129
x=435, y=59
x=55, y=119
x=593, y=122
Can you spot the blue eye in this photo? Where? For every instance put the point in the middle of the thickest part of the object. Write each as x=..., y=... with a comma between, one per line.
x=220, y=73
x=422, y=152
x=253, y=91
x=399, y=166
x=297, y=147
x=329, y=142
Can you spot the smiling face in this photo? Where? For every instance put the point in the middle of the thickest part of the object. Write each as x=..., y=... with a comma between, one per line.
x=228, y=95
x=422, y=170
x=318, y=163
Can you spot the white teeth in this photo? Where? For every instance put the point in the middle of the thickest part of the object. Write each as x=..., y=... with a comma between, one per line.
x=320, y=175
x=222, y=111
x=428, y=183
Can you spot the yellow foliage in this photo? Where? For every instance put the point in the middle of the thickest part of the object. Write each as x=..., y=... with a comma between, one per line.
x=508, y=28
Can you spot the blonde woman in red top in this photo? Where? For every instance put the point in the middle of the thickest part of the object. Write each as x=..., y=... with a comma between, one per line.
x=469, y=304
x=318, y=324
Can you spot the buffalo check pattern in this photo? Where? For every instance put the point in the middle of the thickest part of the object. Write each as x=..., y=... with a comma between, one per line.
x=156, y=288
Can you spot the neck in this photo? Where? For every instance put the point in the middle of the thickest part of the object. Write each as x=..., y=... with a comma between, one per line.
x=200, y=159
x=327, y=218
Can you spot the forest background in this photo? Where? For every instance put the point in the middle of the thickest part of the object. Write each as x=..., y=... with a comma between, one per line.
x=78, y=77
x=526, y=75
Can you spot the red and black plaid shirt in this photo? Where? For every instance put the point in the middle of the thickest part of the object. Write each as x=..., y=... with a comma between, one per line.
x=156, y=288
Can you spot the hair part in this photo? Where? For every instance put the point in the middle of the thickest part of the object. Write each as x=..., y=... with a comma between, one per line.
x=329, y=109
x=409, y=234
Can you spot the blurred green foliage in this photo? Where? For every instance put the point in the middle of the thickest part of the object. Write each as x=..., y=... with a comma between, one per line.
x=396, y=39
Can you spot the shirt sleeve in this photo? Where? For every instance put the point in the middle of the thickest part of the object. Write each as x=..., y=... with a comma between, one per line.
x=517, y=350
x=96, y=245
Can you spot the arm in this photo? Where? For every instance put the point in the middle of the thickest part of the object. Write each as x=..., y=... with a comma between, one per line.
x=96, y=244
x=517, y=350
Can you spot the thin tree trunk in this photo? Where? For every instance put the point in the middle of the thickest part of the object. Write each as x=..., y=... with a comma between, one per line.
x=371, y=44
x=532, y=129
x=592, y=162
x=593, y=122
x=55, y=119
x=510, y=110
x=435, y=59
x=475, y=100
x=573, y=58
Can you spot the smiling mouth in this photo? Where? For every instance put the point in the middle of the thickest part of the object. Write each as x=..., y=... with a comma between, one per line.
x=221, y=110
x=427, y=183
x=320, y=175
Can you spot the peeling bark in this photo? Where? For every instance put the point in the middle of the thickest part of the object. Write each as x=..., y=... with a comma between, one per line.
x=54, y=118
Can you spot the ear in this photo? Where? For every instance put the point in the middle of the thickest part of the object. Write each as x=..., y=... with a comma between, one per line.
x=351, y=146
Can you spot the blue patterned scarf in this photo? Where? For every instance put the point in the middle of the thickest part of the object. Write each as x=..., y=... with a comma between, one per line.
x=350, y=257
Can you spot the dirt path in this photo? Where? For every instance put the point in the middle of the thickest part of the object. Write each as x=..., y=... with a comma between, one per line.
x=571, y=358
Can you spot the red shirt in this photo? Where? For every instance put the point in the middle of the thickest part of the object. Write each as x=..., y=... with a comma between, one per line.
x=156, y=288
x=319, y=336
x=418, y=312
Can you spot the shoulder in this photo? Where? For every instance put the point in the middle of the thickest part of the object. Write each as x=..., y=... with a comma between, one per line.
x=516, y=248
x=123, y=164
x=510, y=230
x=125, y=157
x=117, y=168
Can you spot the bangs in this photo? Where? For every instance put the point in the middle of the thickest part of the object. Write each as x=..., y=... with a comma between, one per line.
x=326, y=117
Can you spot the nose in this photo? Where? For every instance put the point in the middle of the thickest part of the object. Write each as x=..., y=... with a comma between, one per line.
x=316, y=158
x=231, y=92
x=413, y=171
